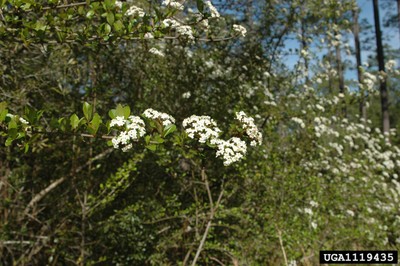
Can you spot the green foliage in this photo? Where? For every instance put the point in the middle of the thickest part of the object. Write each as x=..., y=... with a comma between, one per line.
x=320, y=180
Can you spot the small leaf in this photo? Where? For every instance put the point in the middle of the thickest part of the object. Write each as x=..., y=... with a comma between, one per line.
x=3, y=114
x=26, y=147
x=127, y=111
x=12, y=124
x=90, y=14
x=74, y=121
x=112, y=113
x=87, y=111
x=3, y=106
x=200, y=5
x=95, y=123
x=110, y=18
x=151, y=147
x=118, y=25
x=169, y=129
x=158, y=139
x=107, y=29
x=8, y=141
x=120, y=110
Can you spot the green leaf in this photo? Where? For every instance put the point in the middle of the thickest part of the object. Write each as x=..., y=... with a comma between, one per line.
x=147, y=139
x=87, y=111
x=110, y=18
x=3, y=115
x=120, y=110
x=8, y=141
x=95, y=123
x=118, y=25
x=26, y=147
x=90, y=14
x=112, y=113
x=127, y=111
x=169, y=129
x=3, y=106
x=200, y=5
x=74, y=121
x=158, y=139
x=12, y=124
x=63, y=124
x=107, y=29
x=151, y=147
x=54, y=123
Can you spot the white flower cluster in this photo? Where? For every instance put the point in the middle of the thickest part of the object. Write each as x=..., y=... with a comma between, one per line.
x=118, y=4
x=186, y=95
x=165, y=119
x=232, y=150
x=251, y=129
x=157, y=52
x=202, y=127
x=135, y=11
x=173, y=4
x=369, y=82
x=298, y=121
x=23, y=121
x=240, y=30
x=134, y=128
x=213, y=11
x=390, y=65
x=205, y=129
x=183, y=30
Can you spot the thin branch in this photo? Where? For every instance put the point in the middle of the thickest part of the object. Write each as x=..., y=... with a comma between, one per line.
x=43, y=193
x=38, y=197
x=282, y=247
x=212, y=213
x=65, y=6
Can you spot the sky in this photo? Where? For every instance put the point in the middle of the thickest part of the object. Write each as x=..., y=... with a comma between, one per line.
x=390, y=35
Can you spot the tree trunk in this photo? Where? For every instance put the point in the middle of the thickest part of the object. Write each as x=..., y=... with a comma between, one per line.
x=381, y=64
x=356, y=31
x=339, y=67
x=304, y=47
x=398, y=15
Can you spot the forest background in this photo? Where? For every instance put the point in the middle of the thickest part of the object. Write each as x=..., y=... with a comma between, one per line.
x=293, y=150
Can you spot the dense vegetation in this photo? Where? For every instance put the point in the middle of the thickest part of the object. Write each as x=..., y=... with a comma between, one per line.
x=184, y=133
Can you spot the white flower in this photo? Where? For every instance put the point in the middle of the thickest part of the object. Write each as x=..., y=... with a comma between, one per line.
x=319, y=107
x=185, y=31
x=170, y=23
x=23, y=121
x=186, y=95
x=155, y=51
x=119, y=121
x=240, y=30
x=165, y=119
x=308, y=211
x=298, y=121
x=231, y=151
x=214, y=12
x=135, y=128
x=313, y=203
x=118, y=4
x=201, y=127
x=173, y=4
x=314, y=225
x=148, y=35
x=135, y=11
x=390, y=65
x=251, y=129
